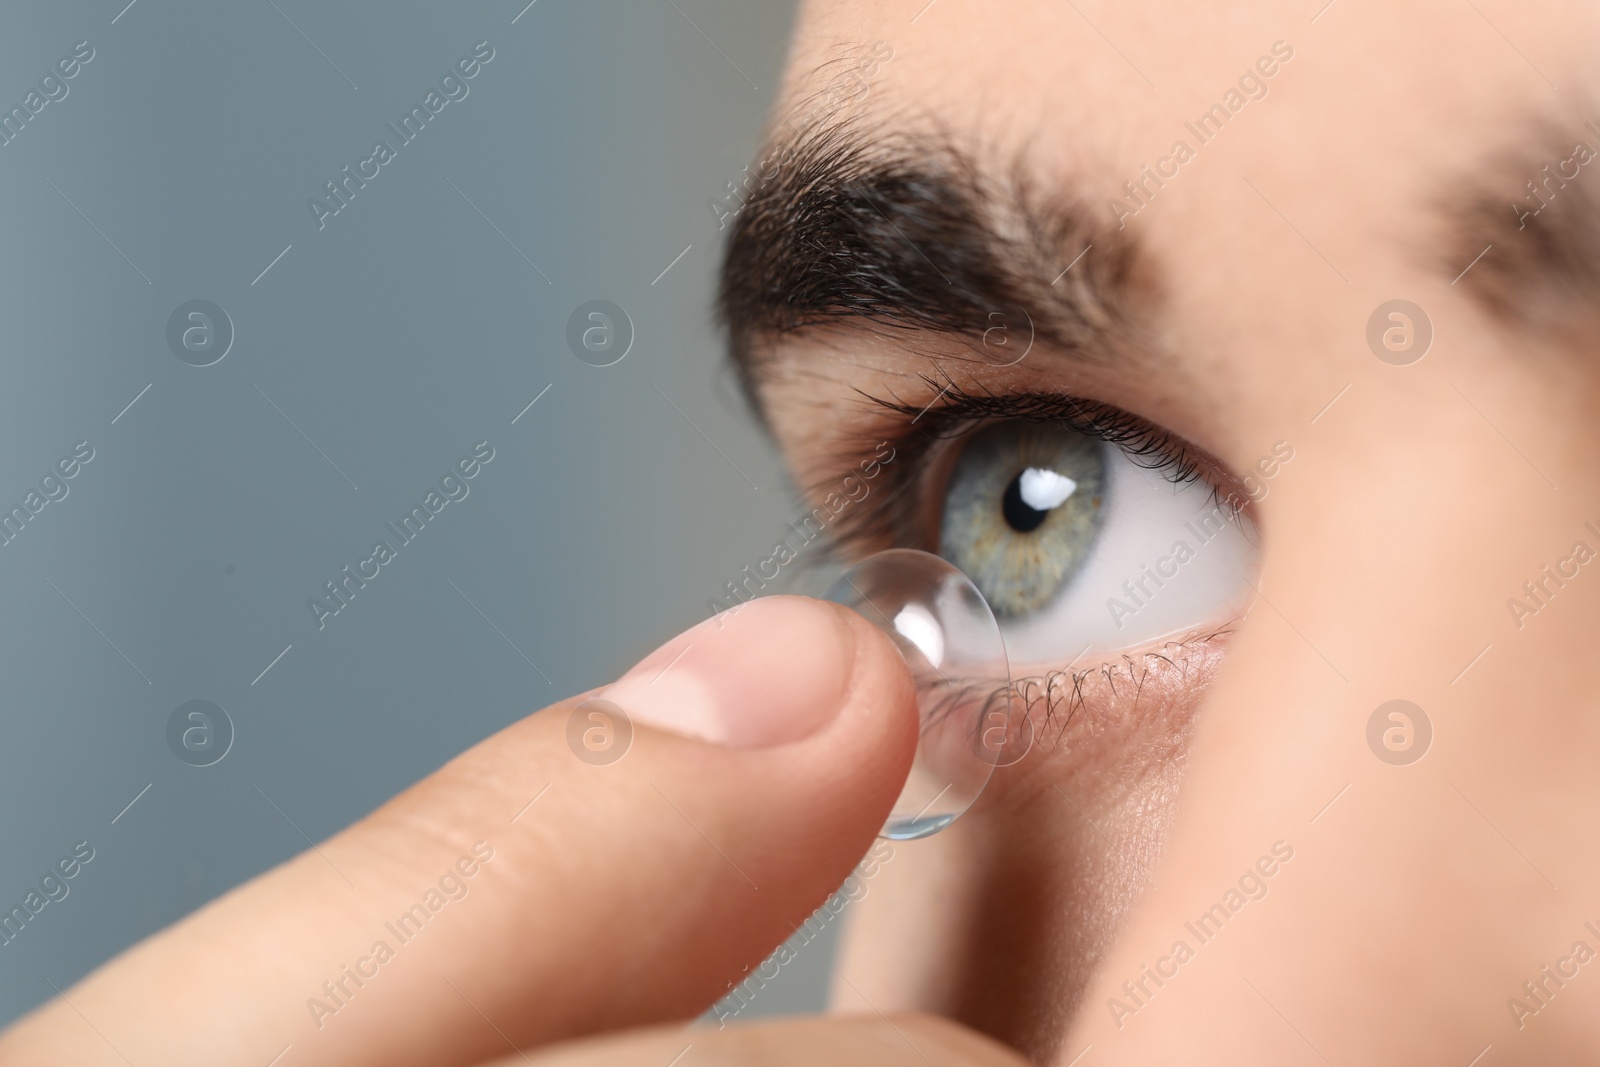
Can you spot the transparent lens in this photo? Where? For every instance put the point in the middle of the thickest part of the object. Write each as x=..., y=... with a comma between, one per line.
x=952, y=644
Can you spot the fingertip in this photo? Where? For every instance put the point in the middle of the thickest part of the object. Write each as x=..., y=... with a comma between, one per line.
x=770, y=672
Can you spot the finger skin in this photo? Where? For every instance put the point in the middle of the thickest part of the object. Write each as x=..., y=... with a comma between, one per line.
x=629, y=893
x=859, y=1041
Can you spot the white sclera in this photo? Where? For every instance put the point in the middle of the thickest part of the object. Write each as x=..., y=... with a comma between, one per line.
x=952, y=644
x=1148, y=519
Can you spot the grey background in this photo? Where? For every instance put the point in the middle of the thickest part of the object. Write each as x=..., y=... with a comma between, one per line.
x=407, y=329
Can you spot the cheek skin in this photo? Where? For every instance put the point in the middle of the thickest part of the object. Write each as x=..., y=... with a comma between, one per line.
x=999, y=921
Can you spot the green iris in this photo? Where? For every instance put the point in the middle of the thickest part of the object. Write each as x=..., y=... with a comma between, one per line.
x=1022, y=511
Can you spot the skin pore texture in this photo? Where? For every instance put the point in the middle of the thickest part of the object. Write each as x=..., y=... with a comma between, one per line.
x=1388, y=151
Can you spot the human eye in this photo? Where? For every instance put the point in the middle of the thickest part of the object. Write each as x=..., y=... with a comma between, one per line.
x=1090, y=531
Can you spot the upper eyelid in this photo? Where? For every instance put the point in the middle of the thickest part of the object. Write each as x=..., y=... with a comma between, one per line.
x=965, y=413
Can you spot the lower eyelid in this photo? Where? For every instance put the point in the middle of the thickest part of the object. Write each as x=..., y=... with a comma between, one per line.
x=1090, y=711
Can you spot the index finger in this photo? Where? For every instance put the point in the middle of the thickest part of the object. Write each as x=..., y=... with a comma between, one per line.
x=521, y=894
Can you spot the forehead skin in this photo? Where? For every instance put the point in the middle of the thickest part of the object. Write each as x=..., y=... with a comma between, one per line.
x=1390, y=547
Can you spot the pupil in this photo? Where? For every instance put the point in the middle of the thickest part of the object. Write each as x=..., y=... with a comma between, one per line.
x=1020, y=515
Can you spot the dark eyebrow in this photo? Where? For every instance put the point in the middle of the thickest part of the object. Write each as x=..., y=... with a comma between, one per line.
x=905, y=232
x=1523, y=231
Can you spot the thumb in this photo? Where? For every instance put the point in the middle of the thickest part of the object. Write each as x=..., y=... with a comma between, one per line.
x=600, y=864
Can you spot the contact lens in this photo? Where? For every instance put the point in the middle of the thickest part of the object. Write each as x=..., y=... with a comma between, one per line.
x=948, y=635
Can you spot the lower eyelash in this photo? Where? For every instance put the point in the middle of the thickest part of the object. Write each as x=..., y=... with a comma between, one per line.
x=1053, y=691
x=1050, y=692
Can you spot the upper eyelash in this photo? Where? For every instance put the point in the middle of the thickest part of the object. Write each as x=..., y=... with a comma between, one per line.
x=887, y=515
x=1136, y=437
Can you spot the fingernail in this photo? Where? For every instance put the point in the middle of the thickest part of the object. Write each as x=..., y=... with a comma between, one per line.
x=766, y=673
